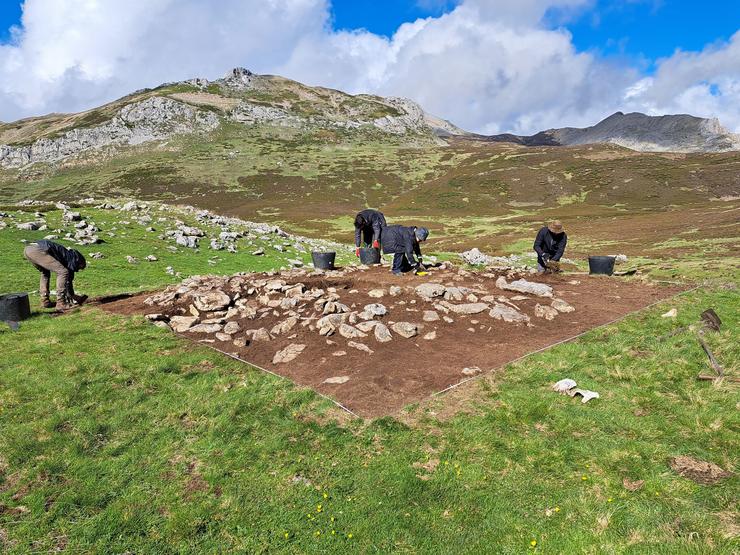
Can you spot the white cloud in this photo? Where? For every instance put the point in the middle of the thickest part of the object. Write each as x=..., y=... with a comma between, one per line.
x=488, y=65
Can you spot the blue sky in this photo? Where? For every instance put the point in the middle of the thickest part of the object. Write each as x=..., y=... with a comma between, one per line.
x=640, y=29
x=644, y=30
x=487, y=65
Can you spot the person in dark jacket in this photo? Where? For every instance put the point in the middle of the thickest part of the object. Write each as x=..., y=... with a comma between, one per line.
x=550, y=246
x=369, y=226
x=403, y=243
x=48, y=257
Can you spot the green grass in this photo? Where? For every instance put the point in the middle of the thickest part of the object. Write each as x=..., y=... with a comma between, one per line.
x=118, y=436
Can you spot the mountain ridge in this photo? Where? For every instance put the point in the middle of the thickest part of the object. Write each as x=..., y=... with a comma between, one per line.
x=681, y=133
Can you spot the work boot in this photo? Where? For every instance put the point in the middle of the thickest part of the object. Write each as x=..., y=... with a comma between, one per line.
x=64, y=305
x=46, y=303
x=79, y=299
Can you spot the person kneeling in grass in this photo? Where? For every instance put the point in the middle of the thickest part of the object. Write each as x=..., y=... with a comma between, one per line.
x=49, y=257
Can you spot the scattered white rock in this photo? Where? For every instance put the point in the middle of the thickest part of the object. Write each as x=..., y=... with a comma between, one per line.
x=472, y=371
x=151, y=258
x=382, y=333
x=524, y=286
x=564, y=385
x=376, y=309
x=288, y=354
x=430, y=290
x=360, y=347
x=336, y=380
x=672, y=313
x=546, y=312
x=430, y=316
x=376, y=293
x=350, y=332
x=562, y=306
x=211, y=300
x=508, y=314
x=431, y=336
x=405, y=329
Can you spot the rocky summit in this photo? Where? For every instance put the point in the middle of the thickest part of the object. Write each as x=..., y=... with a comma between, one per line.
x=636, y=131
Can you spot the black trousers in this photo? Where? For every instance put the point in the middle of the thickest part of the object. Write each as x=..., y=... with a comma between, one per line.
x=401, y=263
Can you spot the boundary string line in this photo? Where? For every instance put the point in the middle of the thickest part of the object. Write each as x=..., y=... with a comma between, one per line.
x=492, y=370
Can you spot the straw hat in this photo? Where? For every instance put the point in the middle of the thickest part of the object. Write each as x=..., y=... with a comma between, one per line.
x=555, y=226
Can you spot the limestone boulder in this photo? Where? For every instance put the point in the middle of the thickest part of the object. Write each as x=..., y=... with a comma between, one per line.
x=211, y=300
x=405, y=329
x=508, y=314
x=288, y=354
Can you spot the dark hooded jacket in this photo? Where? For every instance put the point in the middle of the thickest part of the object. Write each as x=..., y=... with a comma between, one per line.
x=69, y=258
x=374, y=223
x=399, y=239
x=551, y=244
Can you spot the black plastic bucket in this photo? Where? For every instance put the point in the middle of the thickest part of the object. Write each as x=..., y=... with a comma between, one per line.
x=370, y=256
x=323, y=260
x=603, y=265
x=14, y=307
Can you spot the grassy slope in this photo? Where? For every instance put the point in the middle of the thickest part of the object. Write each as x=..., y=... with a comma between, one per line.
x=117, y=436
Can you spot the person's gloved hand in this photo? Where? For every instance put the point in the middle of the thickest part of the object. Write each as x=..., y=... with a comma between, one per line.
x=545, y=258
x=357, y=252
x=376, y=244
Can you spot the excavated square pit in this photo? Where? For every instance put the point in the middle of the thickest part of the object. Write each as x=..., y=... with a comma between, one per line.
x=400, y=371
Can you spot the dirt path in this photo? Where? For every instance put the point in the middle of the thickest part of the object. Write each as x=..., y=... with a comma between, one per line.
x=404, y=371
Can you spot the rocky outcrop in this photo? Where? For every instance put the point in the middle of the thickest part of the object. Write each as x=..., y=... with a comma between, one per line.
x=152, y=119
x=636, y=131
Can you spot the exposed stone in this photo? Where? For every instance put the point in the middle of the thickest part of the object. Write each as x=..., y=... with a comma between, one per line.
x=360, y=347
x=546, y=312
x=376, y=309
x=431, y=336
x=211, y=300
x=284, y=326
x=205, y=328
x=454, y=294
x=430, y=316
x=349, y=332
x=376, y=293
x=151, y=258
x=367, y=326
x=524, y=286
x=382, y=333
x=223, y=336
x=562, y=306
x=288, y=354
x=430, y=290
x=339, y=353
x=182, y=323
x=395, y=291
x=405, y=329
x=472, y=371
x=507, y=314
x=336, y=380
x=231, y=328
x=260, y=334
x=467, y=308
x=156, y=317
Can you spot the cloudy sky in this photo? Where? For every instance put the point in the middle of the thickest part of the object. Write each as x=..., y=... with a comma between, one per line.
x=487, y=65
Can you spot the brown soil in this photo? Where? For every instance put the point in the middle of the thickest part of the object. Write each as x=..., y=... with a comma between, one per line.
x=701, y=472
x=404, y=371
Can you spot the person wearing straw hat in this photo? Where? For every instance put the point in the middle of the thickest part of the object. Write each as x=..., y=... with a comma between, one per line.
x=550, y=246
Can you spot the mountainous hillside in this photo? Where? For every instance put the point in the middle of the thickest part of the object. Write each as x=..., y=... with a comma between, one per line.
x=636, y=131
x=200, y=106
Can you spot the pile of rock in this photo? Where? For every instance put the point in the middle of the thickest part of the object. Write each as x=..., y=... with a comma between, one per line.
x=229, y=310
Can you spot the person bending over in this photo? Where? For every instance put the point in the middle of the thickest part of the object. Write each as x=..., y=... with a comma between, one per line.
x=403, y=243
x=369, y=226
x=49, y=257
x=550, y=246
